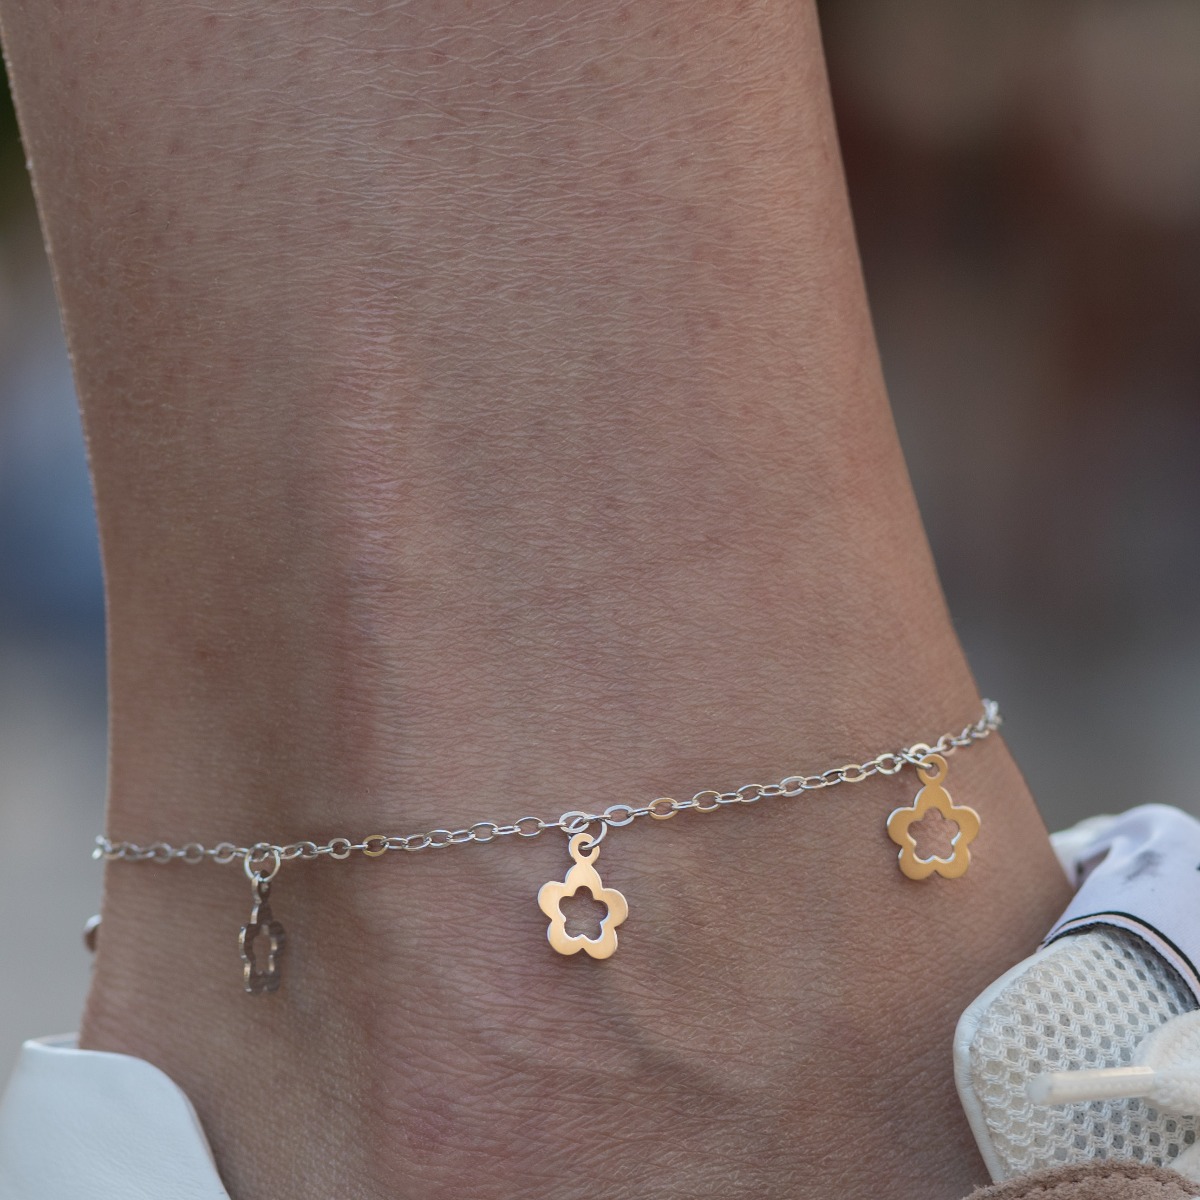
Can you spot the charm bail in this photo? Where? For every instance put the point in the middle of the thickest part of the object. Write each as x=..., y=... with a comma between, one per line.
x=584, y=849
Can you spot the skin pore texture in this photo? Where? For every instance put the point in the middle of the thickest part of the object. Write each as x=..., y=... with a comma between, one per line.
x=485, y=420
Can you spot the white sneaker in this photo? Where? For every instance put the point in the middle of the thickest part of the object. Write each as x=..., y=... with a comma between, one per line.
x=85, y=1125
x=1114, y=969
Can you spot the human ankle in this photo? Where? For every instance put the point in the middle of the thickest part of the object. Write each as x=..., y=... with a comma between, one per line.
x=571, y=487
x=467, y=1056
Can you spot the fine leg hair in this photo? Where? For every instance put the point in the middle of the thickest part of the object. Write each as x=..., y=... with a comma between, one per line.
x=485, y=419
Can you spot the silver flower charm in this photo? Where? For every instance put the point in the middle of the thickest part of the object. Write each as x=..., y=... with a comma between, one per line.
x=261, y=930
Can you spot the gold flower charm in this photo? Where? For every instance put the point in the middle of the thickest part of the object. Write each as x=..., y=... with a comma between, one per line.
x=582, y=875
x=932, y=772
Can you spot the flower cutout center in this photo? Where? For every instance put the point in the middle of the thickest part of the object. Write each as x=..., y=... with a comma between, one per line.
x=583, y=914
x=933, y=835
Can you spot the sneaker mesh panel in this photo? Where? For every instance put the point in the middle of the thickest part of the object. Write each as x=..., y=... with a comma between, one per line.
x=1087, y=1001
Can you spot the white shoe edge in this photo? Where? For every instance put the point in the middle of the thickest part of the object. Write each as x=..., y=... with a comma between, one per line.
x=92, y=1125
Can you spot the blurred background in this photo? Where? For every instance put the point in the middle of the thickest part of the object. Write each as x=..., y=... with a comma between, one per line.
x=1026, y=183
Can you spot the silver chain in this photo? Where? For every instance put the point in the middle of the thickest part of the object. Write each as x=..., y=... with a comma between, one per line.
x=573, y=822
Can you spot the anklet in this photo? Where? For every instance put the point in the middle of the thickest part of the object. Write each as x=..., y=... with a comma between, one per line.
x=261, y=939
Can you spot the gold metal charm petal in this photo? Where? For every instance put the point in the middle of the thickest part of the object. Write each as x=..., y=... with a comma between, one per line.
x=932, y=771
x=582, y=875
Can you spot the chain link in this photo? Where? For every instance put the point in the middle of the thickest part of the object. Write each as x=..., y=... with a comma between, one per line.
x=576, y=821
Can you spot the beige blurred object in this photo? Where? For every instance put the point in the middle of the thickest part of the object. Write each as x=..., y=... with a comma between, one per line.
x=1139, y=128
x=1118, y=81
x=938, y=71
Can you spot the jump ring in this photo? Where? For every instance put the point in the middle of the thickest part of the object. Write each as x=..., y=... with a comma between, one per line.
x=261, y=852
